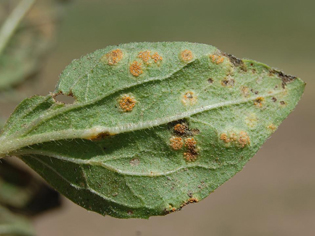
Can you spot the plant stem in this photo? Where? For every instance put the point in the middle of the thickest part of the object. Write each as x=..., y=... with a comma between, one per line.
x=13, y=21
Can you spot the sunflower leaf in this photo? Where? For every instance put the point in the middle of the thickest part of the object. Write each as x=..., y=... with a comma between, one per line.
x=154, y=126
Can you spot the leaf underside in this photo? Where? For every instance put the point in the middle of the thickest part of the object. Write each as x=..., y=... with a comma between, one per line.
x=154, y=126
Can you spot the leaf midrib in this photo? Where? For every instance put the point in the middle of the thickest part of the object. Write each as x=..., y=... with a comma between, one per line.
x=95, y=130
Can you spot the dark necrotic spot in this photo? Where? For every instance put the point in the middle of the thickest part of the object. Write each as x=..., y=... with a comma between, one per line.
x=285, y=78
x=228, y=82
x=210, y=80
x=274, y=99
x=235, y=61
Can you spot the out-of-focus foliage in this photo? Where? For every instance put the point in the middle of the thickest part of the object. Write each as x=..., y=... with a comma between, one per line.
x=21, y=59
x=23, y=56
x=14, y=225
x=21, y=192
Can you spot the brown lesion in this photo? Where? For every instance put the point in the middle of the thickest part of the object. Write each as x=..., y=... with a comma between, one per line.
x=192, y=150
x=136, y=68
x=181, y=129
x=99, y=136
x=210, y=80
x=228, y=82
x=284, y=77
x=235, y=61
x=189, y=98
x=258, y=102
x=112, y=57
x=184, y=136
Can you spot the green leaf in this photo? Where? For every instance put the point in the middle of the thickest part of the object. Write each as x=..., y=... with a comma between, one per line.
x=154, y=126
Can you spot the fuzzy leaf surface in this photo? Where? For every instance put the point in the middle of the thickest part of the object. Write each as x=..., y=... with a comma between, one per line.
x=154, y=126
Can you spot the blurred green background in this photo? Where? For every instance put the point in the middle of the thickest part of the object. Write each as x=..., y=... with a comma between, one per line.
x=275, y=193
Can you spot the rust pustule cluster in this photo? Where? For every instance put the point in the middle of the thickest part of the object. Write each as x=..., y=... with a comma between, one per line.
x=156, y=57
x=186, y=55
x=240, y=139
x=176, y=143
x=184, y=137
x=272, y=127
x=217, y=59
x=190, y=143
x=180, y=129
x=145, y=56
x=112, y=57
x=136, y=68
x=190, y=200
x=127, y=103
x=243, y=139
x=192, y=151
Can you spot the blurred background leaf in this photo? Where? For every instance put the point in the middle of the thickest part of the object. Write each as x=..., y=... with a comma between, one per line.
x=21, y=61
x=29, y=45
x=14, y=225
x=21, y=192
